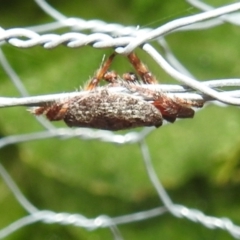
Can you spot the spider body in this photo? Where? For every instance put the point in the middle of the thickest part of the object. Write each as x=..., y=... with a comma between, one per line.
x=104, y=109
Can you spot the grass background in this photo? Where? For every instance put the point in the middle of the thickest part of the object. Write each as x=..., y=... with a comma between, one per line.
x=197, y=160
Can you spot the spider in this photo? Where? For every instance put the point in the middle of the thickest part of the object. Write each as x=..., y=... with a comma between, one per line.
x=108, y=110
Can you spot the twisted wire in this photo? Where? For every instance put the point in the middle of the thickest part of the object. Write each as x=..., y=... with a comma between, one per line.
x=100, y=40
x=125, y=40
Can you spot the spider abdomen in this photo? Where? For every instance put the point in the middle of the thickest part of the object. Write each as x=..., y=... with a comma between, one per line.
x=111, y=111
x=103, y=109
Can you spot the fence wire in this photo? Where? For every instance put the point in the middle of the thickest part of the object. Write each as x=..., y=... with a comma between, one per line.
x=124, y=39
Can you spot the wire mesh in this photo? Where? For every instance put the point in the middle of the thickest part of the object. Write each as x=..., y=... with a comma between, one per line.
x=124, y=40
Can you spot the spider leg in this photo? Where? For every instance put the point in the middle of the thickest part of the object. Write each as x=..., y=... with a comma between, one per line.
x=171, y=110
x=130, y=77
x=111, y=77
x=53, y=111
x=175, y=107
x=93, y=83
x=141, y=69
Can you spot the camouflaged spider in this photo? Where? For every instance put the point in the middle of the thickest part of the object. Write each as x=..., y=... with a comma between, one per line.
x=104, y=109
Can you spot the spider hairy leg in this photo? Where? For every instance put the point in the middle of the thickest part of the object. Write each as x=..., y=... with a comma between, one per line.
x=93, y=83
x=130, y=77
x=54, y=112
x=170, y=107
x=141, y=69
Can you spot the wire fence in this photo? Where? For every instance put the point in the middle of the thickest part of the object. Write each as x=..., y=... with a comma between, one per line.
x=124, y=40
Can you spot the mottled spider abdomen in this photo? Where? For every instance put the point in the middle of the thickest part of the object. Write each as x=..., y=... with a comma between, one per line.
x=103, y=109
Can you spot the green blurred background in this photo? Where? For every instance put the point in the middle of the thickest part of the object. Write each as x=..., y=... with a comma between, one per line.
x=197, y=160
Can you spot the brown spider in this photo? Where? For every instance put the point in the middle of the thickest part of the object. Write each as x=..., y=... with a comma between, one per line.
x=105, y=109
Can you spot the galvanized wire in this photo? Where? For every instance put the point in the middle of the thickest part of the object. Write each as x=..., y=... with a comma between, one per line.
x=128, y=38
